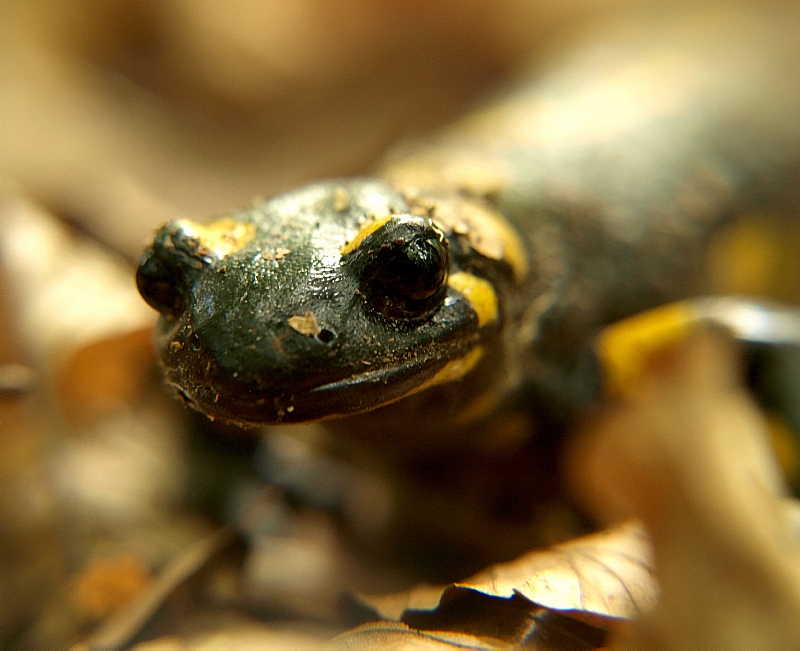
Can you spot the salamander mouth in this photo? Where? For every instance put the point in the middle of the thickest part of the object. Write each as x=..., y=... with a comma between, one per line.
x=366, y=379
x=354, y=394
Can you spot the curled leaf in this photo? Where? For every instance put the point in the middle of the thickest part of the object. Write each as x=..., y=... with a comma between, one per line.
x=607, y=573
x=568, y=596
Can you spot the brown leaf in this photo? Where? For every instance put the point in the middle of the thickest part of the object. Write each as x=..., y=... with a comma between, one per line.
x=512, y=622
x=688, y=453
x=568, y=596
x=607, y=573
x=471, y=619
x=119, y=629
x=108, y=585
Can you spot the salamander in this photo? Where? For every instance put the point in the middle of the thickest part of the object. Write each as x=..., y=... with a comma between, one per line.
x=468, y=279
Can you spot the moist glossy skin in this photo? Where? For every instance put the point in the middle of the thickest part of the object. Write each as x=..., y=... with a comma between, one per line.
x=267, y=317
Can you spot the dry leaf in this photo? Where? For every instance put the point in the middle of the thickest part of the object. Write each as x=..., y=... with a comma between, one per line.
x=123, y=626
x=568, y=596
x=470, y=619
x=607, y=573
x=392, y=606
x=688, y=454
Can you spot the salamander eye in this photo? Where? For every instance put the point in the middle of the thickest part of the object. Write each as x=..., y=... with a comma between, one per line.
x=406, y=278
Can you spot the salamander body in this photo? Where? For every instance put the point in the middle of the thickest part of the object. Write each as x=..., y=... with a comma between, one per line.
x=470, y=276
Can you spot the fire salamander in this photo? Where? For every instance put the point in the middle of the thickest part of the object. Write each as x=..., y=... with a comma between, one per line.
x=447, y=307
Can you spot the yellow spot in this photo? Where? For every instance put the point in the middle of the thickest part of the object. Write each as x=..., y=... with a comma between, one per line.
x=458, y=368
x=479, y=292
x=514, y=252
x=220, y=237
x=624, y=347
x=365, y=232
x=453, y=370
x=306, y=324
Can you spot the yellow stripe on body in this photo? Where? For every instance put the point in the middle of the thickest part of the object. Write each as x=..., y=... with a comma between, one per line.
x=624, y=347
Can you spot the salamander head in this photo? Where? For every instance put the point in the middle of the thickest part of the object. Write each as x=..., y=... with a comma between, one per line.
x=331, y=300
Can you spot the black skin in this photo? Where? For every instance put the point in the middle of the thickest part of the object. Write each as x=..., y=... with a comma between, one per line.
x=386, y=316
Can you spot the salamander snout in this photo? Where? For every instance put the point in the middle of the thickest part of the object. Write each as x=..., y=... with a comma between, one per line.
x=178, y=255
x=167, y=269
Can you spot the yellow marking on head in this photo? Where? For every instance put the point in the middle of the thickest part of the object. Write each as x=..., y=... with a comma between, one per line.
x=453, y=370
x=480, y=294
x=366, y=231
x=221, y=237
x=457, y=368
x=487, y=231
x=624, y=347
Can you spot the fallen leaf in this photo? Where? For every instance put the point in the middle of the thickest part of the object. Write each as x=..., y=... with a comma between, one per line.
x=392, y=606
x=608, y=573
x=568, y=596
x=688, y=453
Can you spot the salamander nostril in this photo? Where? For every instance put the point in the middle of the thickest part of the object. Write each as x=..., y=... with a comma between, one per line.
x=326, y=336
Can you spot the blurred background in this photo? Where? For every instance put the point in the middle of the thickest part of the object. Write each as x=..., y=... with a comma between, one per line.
x=121, y=115
x=118, y=116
